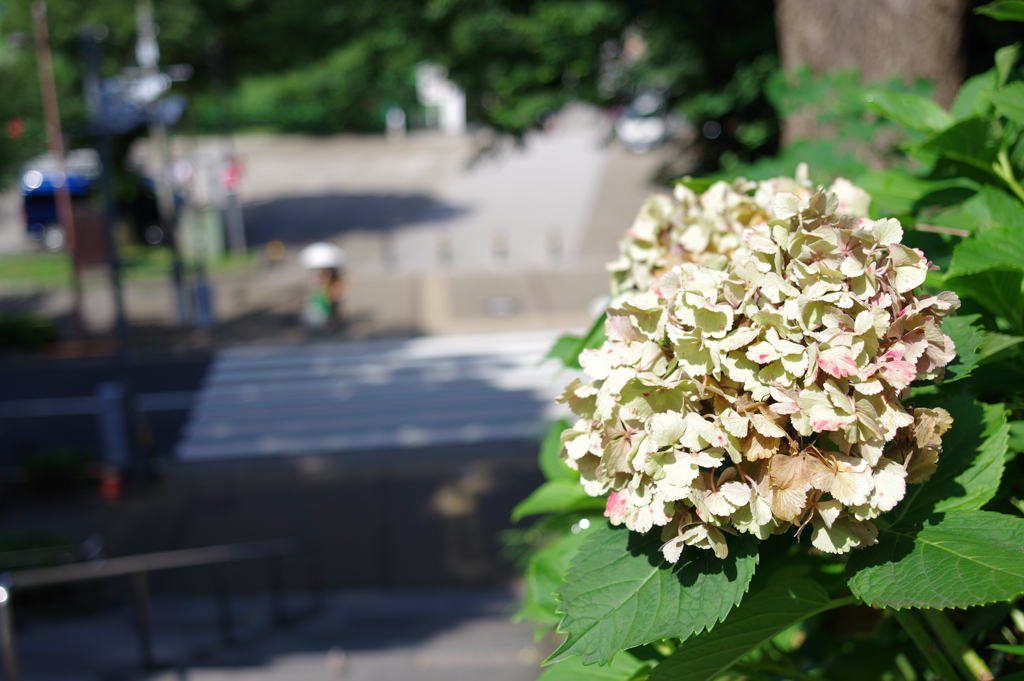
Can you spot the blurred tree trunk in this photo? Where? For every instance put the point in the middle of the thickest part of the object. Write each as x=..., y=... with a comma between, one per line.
x=881, y=38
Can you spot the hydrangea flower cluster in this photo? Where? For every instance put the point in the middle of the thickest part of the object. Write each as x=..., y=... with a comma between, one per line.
x=765, y=392
x=708, y=228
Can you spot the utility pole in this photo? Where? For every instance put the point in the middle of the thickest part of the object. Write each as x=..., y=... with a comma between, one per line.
x=55, y=138
x=147, y=53
x=105, y=125
x=233, y=218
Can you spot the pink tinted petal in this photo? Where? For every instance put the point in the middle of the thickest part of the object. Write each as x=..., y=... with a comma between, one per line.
x=899, y=373
x=617, y=508
x=897, y=352
x=828, y=423
x=838, y=362
x=785, y=407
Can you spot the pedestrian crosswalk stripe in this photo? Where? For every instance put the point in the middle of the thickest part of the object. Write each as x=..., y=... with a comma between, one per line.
x=361, y=396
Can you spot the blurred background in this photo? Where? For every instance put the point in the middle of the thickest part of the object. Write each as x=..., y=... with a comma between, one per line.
x=287, y=272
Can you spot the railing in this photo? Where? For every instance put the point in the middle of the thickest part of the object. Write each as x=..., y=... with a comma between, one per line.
x=138, y=567
x=90, y=549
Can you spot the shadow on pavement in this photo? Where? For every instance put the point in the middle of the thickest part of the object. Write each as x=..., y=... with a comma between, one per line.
x=302, y=219
x=420, y=542
x=369, y=635
x=21, y=302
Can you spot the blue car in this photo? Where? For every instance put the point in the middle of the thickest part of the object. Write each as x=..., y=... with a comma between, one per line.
x=39, y=184
x=41, y=179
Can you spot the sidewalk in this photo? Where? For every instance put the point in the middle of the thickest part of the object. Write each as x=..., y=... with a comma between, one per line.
x=454, y=635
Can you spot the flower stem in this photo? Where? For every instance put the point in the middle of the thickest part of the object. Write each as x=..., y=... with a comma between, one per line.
x=1005, y=171
x=936, y=660
x=963, y=656
x=763, y=666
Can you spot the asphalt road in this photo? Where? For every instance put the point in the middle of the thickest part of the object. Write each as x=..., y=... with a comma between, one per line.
x=49, y=388
x=280, y=443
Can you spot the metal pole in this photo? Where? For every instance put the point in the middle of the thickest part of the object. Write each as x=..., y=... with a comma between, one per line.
x=8, y=648
x=222, y=588
x=235, y=223
x=133, y=419
x=110, y=220
x=278, y=608
x=316, y=581
x=147, y=53
x=55, y=138
x=143, y=621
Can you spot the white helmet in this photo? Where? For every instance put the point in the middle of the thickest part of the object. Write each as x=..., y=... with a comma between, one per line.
x=321, y=255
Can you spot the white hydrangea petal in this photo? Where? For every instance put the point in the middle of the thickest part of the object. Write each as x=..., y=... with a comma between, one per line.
x=673, y=549
x=787, y=205
x=887, y=231
x=766, y=427
x=666, y=429
x=890, y=481
x=839, y=538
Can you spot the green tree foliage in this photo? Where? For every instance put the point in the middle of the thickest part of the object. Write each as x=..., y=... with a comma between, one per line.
x=324, y=66
x=20, y=102
x=183, y=34
x=339, y=65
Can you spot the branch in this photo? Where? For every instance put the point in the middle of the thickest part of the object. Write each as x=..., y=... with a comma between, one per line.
x=1004, y=170
x=936, y=660
x=963, y=656
x=937, y=229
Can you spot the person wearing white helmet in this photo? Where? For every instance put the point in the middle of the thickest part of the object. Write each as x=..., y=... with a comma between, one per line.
x=327, y=288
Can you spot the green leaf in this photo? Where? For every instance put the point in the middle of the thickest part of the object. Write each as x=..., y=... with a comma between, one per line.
x=942, y=167
x=970, y=466
x=1016, y=443
x=620, y=592
x=1003, y=10
x=1006, y=58
x=568, y=348
x=1019, y=676
x=551, y=464
x=974, y=141
x=995, y=343
x=595, y=335
x=968, y=339
x=912, y=111
x=1017, y=153
x=895, y=192
x=989, y=207
x=974, y=345
x=543, y=577
x=956, y=559
x=993, y=207
x=969, y=101
x=564, y=349
x=760, y=617
x=698, y=185
x=623, y=667
x=1013, y=650
x=554, y=496
x=988, y=268
x=1010, y=101
x=997, y=290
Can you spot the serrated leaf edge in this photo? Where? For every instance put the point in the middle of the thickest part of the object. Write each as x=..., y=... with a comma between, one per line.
x=556, y=657
x=830, y=605
x=876, y=603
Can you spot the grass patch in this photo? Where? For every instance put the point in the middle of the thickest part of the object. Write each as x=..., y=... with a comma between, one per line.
x=139, y=263
x=43, y=269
